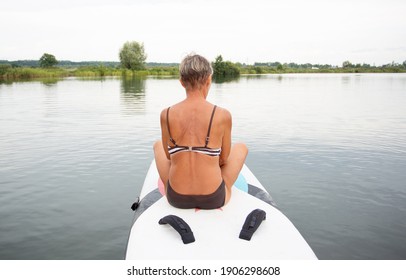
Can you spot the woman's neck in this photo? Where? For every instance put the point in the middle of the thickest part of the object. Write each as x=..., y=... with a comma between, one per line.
x=196, y=94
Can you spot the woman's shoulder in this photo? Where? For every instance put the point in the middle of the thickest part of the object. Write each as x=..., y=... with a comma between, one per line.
x=164, y=112
x=172, y=108
x=223, y=114
x=223, y=111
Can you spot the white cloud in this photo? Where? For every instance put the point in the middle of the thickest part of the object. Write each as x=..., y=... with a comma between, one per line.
x=246, y=31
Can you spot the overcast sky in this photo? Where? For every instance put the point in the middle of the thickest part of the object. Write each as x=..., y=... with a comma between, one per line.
x=247, y=31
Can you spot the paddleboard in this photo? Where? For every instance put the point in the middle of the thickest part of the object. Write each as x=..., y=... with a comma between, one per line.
x=218, y=234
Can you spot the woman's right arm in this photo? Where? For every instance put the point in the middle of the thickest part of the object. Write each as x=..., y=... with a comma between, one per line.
x=164, y=133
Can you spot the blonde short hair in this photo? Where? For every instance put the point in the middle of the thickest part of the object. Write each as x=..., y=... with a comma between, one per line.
x=195, y=70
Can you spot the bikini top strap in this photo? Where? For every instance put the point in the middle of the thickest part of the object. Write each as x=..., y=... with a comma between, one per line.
x=211, y=120
x=167, y=125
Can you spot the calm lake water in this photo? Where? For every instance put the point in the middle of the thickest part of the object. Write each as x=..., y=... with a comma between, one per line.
x=330, y=148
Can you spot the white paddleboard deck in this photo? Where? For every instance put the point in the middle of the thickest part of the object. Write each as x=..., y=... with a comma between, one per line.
x=216, y=231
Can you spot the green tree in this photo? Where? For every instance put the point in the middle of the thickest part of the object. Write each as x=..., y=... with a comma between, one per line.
x=347, y=64
x=219, y=66
x=225, y=68
x=47, y=60
x=133, y=56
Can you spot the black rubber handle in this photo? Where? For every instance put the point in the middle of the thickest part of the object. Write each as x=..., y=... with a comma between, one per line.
x=136, y=204
x=180, y=226
x=252, y=223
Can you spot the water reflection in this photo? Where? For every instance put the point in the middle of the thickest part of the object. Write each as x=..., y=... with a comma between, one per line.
x=169, y=77
x=132, y=94
x=345, y=79
x=6, y=82
x=50, y=82
x=222, y=80
x=258, y=76
x=133, y=85
x=44, y=81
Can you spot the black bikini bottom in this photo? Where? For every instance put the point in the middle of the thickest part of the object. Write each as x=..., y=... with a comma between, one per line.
x=206, y=201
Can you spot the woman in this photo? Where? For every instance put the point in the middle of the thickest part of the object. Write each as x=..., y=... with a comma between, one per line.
x=195, y=159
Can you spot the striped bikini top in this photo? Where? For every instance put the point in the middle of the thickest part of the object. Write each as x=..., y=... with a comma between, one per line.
x=203, y=150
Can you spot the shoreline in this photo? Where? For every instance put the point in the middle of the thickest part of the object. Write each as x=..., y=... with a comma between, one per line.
x=28, y=73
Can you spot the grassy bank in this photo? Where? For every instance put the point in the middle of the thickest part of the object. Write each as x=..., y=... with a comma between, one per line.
x=286, y=70
x=15, y=73
x=7, y=72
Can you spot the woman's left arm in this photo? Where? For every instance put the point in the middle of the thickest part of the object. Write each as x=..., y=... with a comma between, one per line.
x=226, y=141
